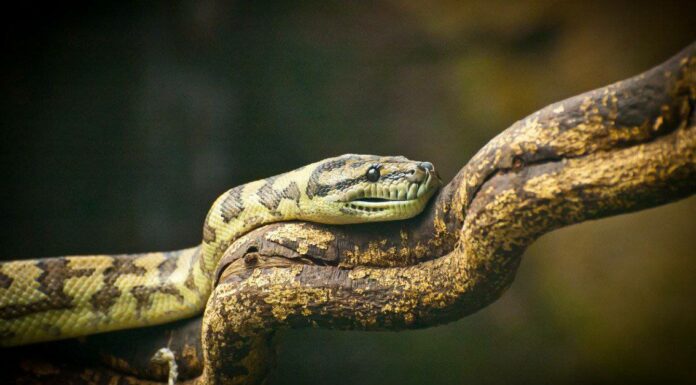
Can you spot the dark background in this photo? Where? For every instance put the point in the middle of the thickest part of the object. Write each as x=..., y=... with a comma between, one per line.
x=122, y=122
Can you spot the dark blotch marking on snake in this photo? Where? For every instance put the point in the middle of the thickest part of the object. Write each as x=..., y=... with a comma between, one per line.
x=252, y=219
x=167, y=267
x=232, y=205
x=270, y=197
x=313, y=185
x=106, y=297
x=190, y=283
x=143, y=294
x=324, y=189
x=55, y=272
x=209, y=234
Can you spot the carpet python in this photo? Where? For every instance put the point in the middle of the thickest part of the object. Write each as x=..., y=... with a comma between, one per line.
x=64, y=297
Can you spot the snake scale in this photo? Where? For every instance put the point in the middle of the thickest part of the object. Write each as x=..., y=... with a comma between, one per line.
x=64, y=297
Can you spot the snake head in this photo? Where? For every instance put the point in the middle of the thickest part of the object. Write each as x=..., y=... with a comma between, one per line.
x=368, y=188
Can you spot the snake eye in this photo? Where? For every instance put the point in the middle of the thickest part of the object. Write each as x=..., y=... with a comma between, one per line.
x=372, y=174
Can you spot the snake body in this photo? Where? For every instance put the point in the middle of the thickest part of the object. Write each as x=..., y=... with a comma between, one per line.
x=63, y=297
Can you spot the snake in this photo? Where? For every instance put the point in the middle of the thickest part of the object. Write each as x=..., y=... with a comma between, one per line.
x=64, y=297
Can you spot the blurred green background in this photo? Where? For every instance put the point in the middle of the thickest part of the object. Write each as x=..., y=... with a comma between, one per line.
x=121, y=123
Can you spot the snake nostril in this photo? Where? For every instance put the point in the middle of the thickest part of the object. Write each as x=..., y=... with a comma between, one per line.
x=426, y=166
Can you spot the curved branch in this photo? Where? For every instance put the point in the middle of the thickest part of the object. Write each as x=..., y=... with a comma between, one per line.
x=620, y=148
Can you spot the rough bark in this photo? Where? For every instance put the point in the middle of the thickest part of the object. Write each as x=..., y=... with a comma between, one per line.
x=621, y=148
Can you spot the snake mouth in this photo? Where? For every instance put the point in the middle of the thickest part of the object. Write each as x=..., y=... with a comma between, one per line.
x=398, y=197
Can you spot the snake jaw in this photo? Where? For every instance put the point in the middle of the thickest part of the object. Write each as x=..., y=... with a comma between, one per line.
x=399, y=200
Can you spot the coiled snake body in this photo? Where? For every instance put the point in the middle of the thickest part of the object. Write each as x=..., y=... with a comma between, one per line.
x=64, y=297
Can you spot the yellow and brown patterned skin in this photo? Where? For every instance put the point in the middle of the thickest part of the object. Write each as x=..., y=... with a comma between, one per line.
x=64, y=297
